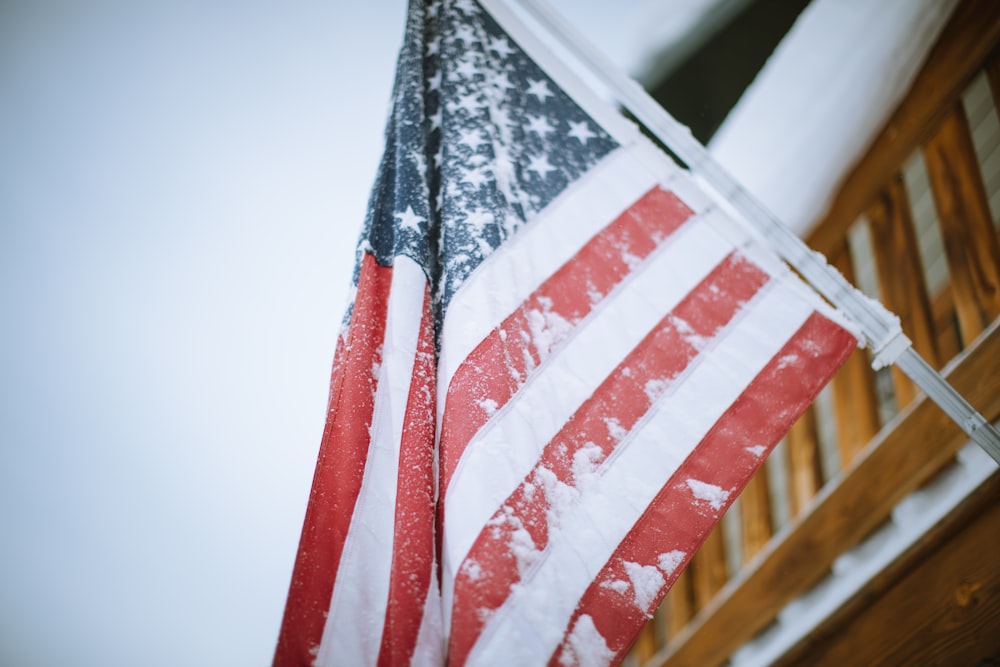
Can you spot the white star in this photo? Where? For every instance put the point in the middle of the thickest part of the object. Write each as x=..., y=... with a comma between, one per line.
x=501, y=81
x=434, y=46
x=466, y=67
x=434, y=82
x=540, y=89
x=540, y=165
x=409, y=220
x=419, y=161
x=468, y=102
x=580, y=131
x=472, y=138
x=474, y=177
x=465, y=35
x=539, y=125
x=435, y=120
x=501, y=46
x=478, y=218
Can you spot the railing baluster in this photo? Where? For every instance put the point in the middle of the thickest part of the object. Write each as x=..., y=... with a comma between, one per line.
x=645, y=644
x=679, y=604
x=966, y=224
x=755, y=503
x=709, y=567
x=854, y=401
x=902, y=286
x=805, y=474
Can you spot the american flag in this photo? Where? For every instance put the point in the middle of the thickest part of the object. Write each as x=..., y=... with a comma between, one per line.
x=561, y=364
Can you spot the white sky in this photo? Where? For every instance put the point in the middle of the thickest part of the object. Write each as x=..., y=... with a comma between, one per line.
x=181, y=186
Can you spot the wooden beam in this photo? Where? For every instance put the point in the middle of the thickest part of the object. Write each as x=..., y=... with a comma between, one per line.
x=805, y=474
x=965, y=43
x=755, y=513
x=645, y=644
x=938, y=604
x=855, y=404
x=949, y=342
x=679, y=605
x=970, y=241
x=708, y=567
x=901, y=282
x=899, y=460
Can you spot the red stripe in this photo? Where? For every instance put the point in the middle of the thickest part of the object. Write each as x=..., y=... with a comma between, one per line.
x=520, y=527
x=501, y=363
x=676, y=520
x=339, y=470
x=413, y=546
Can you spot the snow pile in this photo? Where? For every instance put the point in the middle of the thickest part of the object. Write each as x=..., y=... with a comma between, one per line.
x=586, y=646
x=646, y=583
x=822, y=98
x=670, y=561
x=712, y=494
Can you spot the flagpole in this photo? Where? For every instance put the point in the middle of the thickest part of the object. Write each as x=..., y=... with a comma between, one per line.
x=880, y=327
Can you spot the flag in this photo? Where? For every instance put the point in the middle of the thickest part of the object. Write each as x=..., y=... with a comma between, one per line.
x=561, y=364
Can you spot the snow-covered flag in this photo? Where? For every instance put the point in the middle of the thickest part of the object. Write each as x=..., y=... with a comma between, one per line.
x=561, y=364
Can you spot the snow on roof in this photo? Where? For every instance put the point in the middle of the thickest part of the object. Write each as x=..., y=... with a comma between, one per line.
x=822, y=97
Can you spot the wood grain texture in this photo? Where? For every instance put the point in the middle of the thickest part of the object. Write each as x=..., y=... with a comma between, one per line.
x=902, y=287
x=708, y=568
x=805, y=475
x=970, y=241
x=938, y=604
x=755, y=506
x=855, y=404
x=949, y=341
x=679, y=605
x=645, y=644
x=964, y=45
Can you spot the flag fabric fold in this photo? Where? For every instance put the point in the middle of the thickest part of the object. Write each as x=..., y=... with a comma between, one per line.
x=561, y=364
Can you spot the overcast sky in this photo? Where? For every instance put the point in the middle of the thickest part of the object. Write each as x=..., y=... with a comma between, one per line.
x=181, y=187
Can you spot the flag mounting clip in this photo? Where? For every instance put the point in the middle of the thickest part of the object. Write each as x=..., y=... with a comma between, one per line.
x=887, y=351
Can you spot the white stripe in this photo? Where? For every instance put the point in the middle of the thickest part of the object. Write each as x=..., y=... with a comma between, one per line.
x=530, y=625
x=353, y=631
x=517, y=268
x=496, y=461
x=430, y=649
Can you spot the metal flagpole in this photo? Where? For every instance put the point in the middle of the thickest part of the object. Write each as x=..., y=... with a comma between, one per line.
x=880, y=327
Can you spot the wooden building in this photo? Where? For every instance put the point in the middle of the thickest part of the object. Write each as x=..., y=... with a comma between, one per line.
x=870, y=537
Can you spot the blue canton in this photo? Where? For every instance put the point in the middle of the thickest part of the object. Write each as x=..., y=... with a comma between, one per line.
x=478, y=142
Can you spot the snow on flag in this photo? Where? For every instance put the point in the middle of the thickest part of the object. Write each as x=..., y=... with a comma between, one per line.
x=561, y=364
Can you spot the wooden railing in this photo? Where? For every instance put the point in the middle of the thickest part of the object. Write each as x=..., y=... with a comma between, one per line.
x=870, y=440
